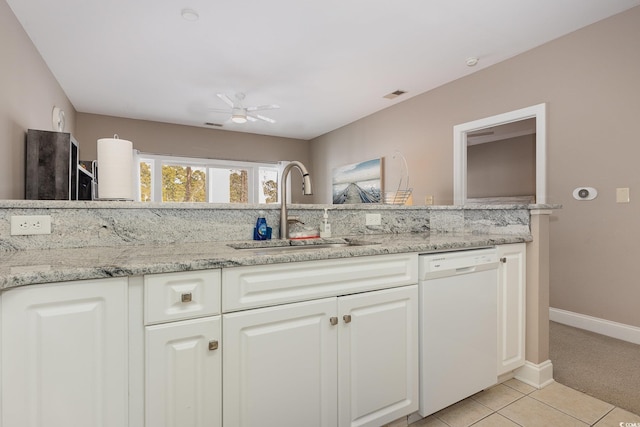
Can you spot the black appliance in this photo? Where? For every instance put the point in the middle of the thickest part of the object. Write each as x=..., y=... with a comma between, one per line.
x=52, y=171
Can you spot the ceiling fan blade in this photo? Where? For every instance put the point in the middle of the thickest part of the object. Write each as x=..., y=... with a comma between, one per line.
x=263, y=118
x=252, y=118
x=264, y=107
x=219, y=110
x=226, y=99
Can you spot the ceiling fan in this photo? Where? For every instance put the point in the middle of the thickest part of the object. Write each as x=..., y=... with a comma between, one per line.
x=240, y=113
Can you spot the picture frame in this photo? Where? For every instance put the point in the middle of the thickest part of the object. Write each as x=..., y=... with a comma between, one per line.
x=358, y=183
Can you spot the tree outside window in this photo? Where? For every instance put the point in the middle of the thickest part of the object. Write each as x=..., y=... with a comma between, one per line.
x=145, y=182
x=183, y=184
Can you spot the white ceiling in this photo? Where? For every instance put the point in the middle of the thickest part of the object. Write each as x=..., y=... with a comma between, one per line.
x=326, y=63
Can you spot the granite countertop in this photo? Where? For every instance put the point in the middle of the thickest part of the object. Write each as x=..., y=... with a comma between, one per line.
x=30, y=267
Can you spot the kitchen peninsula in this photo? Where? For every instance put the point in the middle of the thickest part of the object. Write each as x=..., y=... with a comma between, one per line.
x=137, y=248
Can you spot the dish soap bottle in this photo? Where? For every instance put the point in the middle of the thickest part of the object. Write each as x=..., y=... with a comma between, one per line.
x=260, y=232
x=325, y=227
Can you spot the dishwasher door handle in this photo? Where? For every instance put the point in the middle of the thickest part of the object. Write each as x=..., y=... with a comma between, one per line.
x=463, y=270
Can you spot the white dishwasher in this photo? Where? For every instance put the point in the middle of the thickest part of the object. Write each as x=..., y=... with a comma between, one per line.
x=458, y=326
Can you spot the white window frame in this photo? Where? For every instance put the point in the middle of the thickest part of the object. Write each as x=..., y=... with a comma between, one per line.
x=157, y=160
x=539, y=112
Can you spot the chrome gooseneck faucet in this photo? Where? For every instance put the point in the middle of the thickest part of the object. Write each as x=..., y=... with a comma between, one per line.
x=306, y=189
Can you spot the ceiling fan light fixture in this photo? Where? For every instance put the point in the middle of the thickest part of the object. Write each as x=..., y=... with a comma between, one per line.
x=238, y=116
x=241, y=114
x=190, y=15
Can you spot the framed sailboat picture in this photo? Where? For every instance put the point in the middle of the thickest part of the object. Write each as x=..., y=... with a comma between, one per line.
x=358, y=183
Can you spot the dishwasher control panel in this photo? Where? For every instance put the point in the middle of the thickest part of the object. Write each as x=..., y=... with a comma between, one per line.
x=459, y=261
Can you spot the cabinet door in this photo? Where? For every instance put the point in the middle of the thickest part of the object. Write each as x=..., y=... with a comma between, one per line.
x=64, y=355
x=183, y=374
x=378, y=356
x=511, y=307
x=280, y=366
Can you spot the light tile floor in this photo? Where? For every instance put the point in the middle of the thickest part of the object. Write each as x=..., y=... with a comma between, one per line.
x=514, y=403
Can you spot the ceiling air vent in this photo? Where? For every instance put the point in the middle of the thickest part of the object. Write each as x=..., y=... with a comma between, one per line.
x=219, y=125
x=395, y=94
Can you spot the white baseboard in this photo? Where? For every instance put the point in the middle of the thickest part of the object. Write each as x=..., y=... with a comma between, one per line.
x=600, y=326
x=538, y=376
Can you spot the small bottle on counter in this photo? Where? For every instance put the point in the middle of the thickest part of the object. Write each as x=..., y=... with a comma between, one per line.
x=261, y=232
x=325, y=227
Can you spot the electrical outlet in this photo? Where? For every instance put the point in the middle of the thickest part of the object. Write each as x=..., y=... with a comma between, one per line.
x=373, y=219
x=30, y=224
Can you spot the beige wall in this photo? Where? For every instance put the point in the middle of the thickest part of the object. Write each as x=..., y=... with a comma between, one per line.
x=502, y=168
x=28, y=93
x=590, y=80
x=170, y=139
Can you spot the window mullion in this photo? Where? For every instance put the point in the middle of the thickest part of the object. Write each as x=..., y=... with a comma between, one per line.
x=156, y=185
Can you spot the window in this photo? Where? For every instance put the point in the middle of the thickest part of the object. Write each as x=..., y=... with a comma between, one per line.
x=185, y=179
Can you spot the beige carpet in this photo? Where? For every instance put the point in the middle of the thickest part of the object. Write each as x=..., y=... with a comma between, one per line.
x=603, y=367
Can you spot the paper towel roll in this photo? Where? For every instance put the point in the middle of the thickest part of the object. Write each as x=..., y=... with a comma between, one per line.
x=115, y=169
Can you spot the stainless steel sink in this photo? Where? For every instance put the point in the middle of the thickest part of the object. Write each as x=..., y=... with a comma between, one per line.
x=265, y=249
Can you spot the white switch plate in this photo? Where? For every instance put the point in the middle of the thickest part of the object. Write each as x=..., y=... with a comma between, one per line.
x=373, y=219
x=622, y=195
x=22, y=225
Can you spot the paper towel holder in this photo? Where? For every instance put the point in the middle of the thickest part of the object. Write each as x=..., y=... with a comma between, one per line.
x=94, y=170
x=115, y=165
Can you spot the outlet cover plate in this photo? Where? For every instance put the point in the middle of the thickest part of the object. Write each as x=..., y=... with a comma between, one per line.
x=373, y=219
x=622, y=195
x=23, y=225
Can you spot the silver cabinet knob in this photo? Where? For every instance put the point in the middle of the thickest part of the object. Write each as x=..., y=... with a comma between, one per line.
x=186, y=297
x=346, y=318
x=503, y=260
x=213, y=345
x=333, y=321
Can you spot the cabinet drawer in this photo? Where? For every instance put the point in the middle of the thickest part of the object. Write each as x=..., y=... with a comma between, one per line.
x=183, y=295
x=260, y=286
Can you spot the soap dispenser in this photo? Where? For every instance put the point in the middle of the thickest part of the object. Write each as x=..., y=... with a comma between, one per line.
x=325, y=227
x=261, y=232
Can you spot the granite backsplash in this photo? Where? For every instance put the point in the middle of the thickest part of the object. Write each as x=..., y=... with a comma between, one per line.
x=76, y=224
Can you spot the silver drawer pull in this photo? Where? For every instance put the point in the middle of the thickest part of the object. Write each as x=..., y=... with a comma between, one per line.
x=213, y=345
x=186, y=297
x=333, y=321
x=346, y=318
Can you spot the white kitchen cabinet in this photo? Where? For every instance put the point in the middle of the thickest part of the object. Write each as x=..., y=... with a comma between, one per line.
x=511, y=307
x=183, y=374
x=280, y=366
x=346, y=361
x=378, y=356
x=182, y=355
x=64, y=354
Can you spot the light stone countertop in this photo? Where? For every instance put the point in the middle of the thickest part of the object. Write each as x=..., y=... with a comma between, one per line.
x=20, y=268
